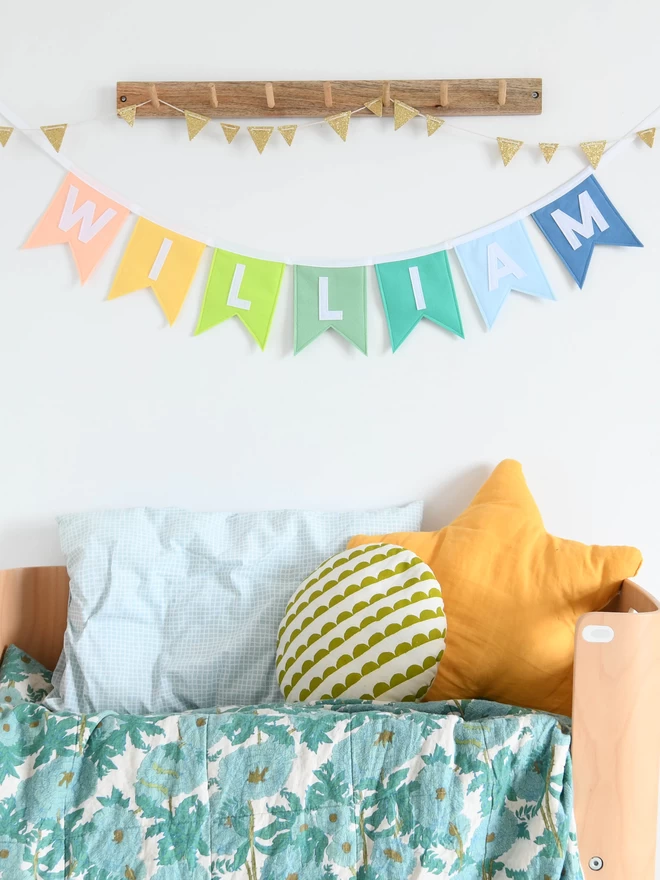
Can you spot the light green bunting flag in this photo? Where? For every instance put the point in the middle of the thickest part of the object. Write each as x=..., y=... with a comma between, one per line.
x=330, y=298
x=244, y=287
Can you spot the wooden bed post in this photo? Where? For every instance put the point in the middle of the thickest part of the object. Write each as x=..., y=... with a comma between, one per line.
x=33, y=607
x=616, y=736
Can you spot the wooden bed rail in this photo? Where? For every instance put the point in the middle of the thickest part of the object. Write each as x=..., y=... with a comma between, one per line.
x=616, y=736
x=616, y=712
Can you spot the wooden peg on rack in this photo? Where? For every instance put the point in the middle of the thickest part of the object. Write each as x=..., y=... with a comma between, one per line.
x=153, y=96
x=327, y=94
x=501, y=92
x=387, y=97
x=444, y=94
x=213, y=95
x=270, y=96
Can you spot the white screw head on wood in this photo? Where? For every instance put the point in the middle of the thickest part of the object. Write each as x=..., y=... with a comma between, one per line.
x=595, y=863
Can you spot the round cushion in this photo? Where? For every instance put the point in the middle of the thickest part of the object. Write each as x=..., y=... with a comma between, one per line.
x=368, y=623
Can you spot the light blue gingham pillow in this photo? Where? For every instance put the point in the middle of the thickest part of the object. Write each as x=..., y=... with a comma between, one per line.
x=172, y=610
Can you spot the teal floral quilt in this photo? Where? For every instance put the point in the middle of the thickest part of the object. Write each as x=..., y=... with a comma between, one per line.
x=331, y=791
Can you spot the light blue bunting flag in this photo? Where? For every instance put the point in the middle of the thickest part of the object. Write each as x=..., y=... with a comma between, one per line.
x=579, y=220
x=498, y=263
x=418, y=288
x=326, y=298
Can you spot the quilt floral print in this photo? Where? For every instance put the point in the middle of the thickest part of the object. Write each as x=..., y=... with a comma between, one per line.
x=471, y=790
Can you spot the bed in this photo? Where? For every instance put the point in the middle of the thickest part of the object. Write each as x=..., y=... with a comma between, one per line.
x=616, y=711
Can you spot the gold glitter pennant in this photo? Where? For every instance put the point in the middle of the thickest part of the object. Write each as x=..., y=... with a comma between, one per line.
x=195, y=123
x=230, y=130
x=376, y=106
x=288, y=132
x=548, y=151
x=260, y=134
x=339, y=123
x=55, y=135
x=508, y=148
x=433, y=124
x=128, y=114
x=647, y=135
x=5, y=134
x=403, y=113
x=593, y=150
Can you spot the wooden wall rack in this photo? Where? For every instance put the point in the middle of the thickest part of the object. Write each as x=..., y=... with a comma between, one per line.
x=318, y=98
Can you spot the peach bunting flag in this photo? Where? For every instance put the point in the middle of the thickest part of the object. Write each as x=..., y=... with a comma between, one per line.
x=83, y=218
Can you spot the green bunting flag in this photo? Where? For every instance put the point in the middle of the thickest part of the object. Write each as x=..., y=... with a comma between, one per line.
x=418, y=288
x=330, y=298
x=244, y=287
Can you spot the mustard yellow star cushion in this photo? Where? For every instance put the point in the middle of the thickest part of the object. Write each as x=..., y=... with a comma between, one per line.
x=512, y=596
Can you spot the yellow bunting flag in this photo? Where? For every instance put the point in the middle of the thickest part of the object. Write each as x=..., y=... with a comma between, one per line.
x=260, y=134
x=647, y=135
x=288, y=132
x=403, y=113
x=433, y=124
x=128, y=114
x=548, y=151
x=593, y=150
x=230, y=130
x=162, y=260
x=5, y=134
x=195, y=123
x=340, y=123
x=55, y=135
x=376, y=106
x=508, y=148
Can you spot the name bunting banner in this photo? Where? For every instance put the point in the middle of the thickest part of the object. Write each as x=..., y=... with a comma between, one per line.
x=495, y=260
x=330, y=297
x=498, y=263
x=579, y=220
x=83, y=218
x=162, y=260
x=418, y=288
x=242, y=287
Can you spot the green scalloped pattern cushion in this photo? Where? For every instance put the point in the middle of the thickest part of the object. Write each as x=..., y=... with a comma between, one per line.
x=368, y=623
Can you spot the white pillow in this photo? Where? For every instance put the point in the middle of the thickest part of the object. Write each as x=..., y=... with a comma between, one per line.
x=369, y=623
x=172, y=610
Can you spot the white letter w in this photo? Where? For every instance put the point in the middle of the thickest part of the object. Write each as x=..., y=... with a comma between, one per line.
x=85, y=215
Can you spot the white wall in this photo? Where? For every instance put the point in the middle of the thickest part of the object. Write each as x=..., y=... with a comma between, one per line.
x=104, y=406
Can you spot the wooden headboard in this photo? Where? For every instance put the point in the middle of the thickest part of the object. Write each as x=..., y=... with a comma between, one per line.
x=33, y=607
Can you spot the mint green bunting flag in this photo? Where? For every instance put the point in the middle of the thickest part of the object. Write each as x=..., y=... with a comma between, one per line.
x=244, y=287
x=418, y=288
x=330, y=298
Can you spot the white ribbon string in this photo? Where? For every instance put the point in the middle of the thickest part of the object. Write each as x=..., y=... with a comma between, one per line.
x=37, y=137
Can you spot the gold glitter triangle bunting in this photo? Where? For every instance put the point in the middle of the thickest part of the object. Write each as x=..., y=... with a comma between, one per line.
x=403, y=113
x=195, y=123
x=5, y=134
x=376, y=106
x=593, y=150
x=260, y=134
x=433, y=124
x=548, y=151
x=230, y=130
x=55, y=135
x=128, y=114
x=288, y=132
x=647, y=135
x=340, y=123
x=508, y=148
